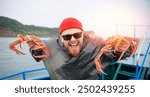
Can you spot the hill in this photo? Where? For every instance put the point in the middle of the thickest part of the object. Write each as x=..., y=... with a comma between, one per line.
x=10, y=27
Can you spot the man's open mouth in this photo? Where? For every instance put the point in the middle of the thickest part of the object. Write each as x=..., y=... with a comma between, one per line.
x=75, y=45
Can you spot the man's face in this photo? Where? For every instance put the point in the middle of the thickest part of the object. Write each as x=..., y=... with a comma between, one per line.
x=72, y=40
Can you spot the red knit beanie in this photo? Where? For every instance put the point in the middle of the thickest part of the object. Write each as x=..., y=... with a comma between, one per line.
x=69, y=23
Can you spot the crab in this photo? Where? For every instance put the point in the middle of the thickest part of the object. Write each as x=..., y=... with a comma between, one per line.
x=116, y=44
x=33, y=42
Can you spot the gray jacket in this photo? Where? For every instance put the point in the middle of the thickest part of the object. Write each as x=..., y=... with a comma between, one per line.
x=62, y=66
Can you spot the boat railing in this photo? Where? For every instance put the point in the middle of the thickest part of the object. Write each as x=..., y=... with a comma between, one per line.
x=143, y=62
x=24, y=73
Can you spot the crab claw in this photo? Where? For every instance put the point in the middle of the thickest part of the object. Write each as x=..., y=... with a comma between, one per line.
x=21, y=38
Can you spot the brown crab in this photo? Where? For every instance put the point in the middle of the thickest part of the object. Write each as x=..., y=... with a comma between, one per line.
x=116, y=44
x=36, y=45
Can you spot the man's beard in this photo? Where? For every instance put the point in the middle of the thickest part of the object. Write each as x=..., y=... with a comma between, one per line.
x=74, y=53
x=74, y=50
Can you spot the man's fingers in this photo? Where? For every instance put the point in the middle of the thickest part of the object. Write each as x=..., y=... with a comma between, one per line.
x=41, y=56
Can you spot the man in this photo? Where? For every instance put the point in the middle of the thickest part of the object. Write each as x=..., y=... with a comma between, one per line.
x=72, y=55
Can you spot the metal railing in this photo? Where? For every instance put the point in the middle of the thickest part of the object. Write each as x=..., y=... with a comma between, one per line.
x=139, y=72
x=23, y=74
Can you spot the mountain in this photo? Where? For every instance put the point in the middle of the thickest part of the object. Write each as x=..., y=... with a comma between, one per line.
x=10, y=27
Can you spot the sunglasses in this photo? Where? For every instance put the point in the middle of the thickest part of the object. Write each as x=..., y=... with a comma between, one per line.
x=69, y=36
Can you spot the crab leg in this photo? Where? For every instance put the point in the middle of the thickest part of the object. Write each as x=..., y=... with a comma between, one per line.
x=97, y=61
x=124, y=48
x=12, y=47
x=134, y=44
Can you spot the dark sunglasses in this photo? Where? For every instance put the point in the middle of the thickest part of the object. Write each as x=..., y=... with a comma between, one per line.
x=69, y=36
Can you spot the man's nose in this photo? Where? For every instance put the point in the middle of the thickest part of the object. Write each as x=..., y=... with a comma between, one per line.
x=72, y=38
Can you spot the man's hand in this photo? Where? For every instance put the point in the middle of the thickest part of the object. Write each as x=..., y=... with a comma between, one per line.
x=35, y=43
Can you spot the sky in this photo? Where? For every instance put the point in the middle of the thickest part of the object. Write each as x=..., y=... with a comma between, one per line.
x=100, y=16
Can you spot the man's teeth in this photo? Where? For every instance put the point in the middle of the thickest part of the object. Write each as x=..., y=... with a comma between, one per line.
x=74, y=45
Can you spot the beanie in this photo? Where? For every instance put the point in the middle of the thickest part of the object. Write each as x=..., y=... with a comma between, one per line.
x=69, y=23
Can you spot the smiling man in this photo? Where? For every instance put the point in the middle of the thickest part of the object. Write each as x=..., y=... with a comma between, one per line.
x=73, y=53
x=72, y=40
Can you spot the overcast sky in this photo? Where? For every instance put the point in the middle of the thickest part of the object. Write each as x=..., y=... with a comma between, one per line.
x=100, y=16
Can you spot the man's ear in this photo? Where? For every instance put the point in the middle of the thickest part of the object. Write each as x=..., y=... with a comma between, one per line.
x=61, y=38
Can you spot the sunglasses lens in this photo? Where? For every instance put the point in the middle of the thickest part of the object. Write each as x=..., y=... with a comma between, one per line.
x=76, y=35
x=67, y=37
